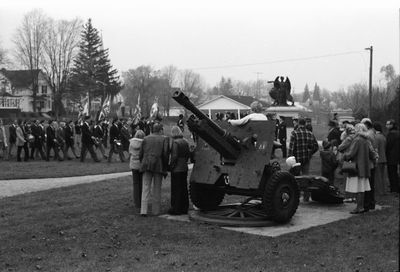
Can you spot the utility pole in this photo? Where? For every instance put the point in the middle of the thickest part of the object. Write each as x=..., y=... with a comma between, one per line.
x=370, y=49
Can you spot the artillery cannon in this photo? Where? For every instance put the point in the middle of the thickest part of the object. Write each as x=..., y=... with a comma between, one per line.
x=236, y=161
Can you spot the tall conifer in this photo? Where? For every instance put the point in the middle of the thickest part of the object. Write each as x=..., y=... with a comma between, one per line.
x=92, y=72
x=306, y=94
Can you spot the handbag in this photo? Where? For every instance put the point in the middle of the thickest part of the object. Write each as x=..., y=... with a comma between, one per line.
x=350, y=168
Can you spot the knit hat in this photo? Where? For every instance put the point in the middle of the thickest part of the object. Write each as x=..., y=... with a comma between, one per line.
x=291, y=162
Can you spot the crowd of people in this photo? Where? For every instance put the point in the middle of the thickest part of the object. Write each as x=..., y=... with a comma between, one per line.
x=151, y=154
x=65, y=140
x=359, y=150
x=365, y=144
x=151, y=158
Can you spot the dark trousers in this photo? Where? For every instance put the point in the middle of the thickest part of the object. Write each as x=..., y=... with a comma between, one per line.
x=284, y=152
x=137, y=187
x=38, y=147
x=55, y=147
x=100, y=146
x=330, y=176
x=105, y=141
x=26, y=152
x=393, y=178
x=369, y=196
x=85, y=148
x=10, y=148
x=68, y=145
x=179, y=193
x=120, y=152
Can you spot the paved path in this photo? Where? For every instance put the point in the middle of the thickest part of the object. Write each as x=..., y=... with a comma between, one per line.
x=308, y=215
x=22, y=186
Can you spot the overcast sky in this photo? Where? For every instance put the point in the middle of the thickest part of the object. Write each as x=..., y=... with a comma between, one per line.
x=242, y=40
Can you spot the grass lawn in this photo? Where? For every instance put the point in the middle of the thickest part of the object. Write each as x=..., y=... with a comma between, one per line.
x=55, y=169
x=93, y=227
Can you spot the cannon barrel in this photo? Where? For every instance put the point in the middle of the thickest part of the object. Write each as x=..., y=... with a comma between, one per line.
x=182, y=99
x=227, y=145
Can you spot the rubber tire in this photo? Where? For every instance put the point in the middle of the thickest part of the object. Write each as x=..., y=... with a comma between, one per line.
x=279, y=182
x=323, y=197
x=204, y=196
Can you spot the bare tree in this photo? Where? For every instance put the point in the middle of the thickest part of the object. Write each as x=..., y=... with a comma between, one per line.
x=29, y=45
x=389, y=72
x=139, y=82
x=244, y=88
x=3, y=56
x=61, y=45
x=169, y=73
x=355, y=98
x=191, y=84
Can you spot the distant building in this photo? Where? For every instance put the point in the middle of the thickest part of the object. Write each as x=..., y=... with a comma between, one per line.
x=16, y=91
x=230, y=103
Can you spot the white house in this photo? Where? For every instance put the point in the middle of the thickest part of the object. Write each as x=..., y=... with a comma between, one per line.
x=16, y=91
x=232, y=103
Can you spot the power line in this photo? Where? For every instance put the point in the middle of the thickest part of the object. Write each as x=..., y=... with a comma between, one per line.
x=277, y=61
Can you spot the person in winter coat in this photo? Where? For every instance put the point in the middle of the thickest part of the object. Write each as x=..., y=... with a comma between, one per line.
x=369, y=196
x=180, y=154
x=380, y=166
x=51, y=141
x=154, y=161
x=125, y=136
x=114, y=139
x=329, y=162
x=348, y=136
x=393, y=155
x=302, y=146
x=362, y=153
x=135, y=145
x=3, y=140
x=334, y=133
x=282, y=135
x=12, y=129
x=21, y=142
x=181, y=123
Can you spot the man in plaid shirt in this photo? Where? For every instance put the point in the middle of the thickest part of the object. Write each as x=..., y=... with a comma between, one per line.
x=303, y=145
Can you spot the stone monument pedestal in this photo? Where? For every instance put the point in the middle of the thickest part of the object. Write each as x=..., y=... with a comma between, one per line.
x=287, y=111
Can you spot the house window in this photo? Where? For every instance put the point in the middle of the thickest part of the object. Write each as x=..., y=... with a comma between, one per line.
x=41, y=104
x=3, y=84
x=44, y=89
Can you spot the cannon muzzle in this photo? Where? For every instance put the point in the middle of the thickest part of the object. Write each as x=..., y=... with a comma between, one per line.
x=227, y=145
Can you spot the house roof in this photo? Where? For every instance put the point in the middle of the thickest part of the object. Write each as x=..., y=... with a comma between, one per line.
x=3, y=94
x=244, y=99
x=229, y=102
x=19, y=78
x=223, y=102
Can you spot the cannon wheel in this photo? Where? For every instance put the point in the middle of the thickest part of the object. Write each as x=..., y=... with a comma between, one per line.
x=204, y=196
x=281, y=197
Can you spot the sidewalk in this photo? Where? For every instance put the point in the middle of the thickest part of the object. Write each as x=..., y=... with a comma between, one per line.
x=22, y=186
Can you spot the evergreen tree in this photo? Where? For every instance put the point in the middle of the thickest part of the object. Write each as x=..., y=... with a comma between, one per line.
x=316, y=93
x=306, y=94
x=92, y=72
